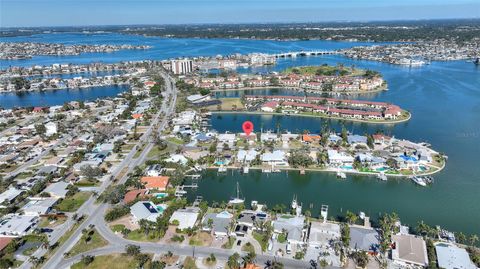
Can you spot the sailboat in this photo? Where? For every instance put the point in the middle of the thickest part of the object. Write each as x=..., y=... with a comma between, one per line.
x=236, y=200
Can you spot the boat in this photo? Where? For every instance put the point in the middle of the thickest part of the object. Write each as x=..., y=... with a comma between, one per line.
x=266, y=170
x=222, y=169
x=382, y=176
x=276, y=170
x=341, y=175
x=361, y=215
x=237, y=199
x=477, y=61
x=419, y=181
x=246, y=169
x=254, y=204
x=294, y=202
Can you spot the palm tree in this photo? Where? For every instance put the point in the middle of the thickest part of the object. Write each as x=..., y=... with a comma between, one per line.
x=473, y=239
x=461, y=238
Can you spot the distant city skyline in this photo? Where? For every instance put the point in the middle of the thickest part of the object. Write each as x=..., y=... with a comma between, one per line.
x=30, y=13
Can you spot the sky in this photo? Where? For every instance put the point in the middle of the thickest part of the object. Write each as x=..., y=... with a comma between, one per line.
x=24, y=13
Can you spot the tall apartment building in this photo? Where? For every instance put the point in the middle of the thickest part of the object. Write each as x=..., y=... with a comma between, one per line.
x=181, y=66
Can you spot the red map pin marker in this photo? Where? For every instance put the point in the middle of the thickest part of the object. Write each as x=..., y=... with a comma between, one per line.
x=247, y=127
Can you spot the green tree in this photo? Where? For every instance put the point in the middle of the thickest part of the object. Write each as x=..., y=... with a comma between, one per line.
x=132, y=250
x=233, y=261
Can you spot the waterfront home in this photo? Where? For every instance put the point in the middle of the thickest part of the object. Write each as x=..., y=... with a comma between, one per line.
x=39, y=206
x=380, y=139
x=323, y=233
x=409, y=250
x=293, y=226
x=450, y=256
x=145, y=210
x=197, y=98
x=269, y=106
x=266, y=137
x=364, y=239
x=158, y=183
x=57, y=190
x=310, y=138
x=219, y=224
x=277, y=157
x=186, y=218
x=246, y=156
x=251, y=218
x=336, y=158
x=17, y=225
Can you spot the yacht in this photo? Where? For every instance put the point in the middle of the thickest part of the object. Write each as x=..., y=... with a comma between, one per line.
x=382, y=176
x=341, y=175
x=419, y=180
x=246, y=169
x=222, y=169
x=237, y=199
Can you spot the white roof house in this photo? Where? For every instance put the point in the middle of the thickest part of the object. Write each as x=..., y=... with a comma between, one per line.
x=449, y=256
x=186, y=217
x=293, y=225
x=246, y=156
x=58, y=189
x=322, y=233
x=177, y=158
x=17, y=225
x=39, y=206
x=277, y=157
x=145, y=210
x=9, y=195
x=338, y=158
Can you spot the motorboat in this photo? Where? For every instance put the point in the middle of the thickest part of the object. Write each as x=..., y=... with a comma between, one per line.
x=382, y=176
x=419, y=181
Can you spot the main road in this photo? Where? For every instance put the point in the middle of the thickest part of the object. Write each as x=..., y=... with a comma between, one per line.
x=90, y=208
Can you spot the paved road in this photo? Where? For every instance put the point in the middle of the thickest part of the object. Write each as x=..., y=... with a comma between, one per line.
x=90, y=208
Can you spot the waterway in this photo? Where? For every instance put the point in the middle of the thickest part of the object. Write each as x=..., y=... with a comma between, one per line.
x=58, y=97
x=444, y=99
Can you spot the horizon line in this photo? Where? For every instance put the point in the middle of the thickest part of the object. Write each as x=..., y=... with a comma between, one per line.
x=244, y=23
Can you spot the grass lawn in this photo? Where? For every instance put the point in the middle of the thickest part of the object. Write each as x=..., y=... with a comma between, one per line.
x=117, y=228
x=282, y=238
x=189, y=263
x=228, y=104
x=46, y=223
x=24, y=175
x=175, y=140
x=96, y=241
x=71, y=204
x=117, y=261
x=261, y=239
x=137, y=235
x=86, y=183
x=248, y=247
x=201, y=239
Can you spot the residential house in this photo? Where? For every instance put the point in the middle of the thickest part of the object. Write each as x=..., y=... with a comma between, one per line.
x=186, y=217
x=409, y=250
x=144, y=210
x=159, y=183
x=220, y=223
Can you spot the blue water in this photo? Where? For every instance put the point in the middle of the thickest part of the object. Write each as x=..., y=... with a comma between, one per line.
x=444, y=99
x=58, y=97
x=162, y=48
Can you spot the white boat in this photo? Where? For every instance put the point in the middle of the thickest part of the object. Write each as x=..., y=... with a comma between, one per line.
x=266, y=170
x=246, y=169
x=222, y=169
x=341, y=175
x=276, y=170
x=361, y=215
x=382, y=176
x=236, y=200
x=254, y=204
x=294, y=202
x=419, y=181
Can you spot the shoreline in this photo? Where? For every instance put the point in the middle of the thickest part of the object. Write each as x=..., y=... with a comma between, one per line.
x=64, y=88
x=332, y=170
x=378, y=89
x=314, y=116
